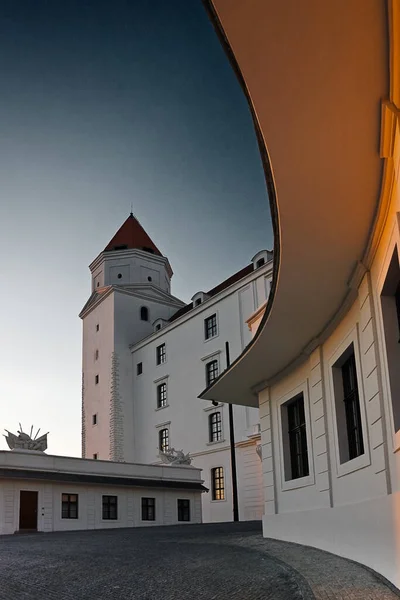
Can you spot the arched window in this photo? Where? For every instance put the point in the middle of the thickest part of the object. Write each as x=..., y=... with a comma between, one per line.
x=144, y=313
x=217, y=483
x=215, y=427
x=260, y=263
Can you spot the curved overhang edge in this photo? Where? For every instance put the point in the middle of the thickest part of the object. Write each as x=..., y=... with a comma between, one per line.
x=269, y=180
x=389, y=120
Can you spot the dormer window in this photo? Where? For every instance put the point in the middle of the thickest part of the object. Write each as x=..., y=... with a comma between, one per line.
x=199, y=298
x=262, y=258
x=144, y=313
x=198, y=301
x=159, y=324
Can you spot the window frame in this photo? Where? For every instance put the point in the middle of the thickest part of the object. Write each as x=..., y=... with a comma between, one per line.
x=218, y=430
x=181, y=510
x=291, y=484
x=109, y=518
x=213, y=480
x=207, y=371
x=69, y=505
x=364, y=460
x=161, y=354
x=94, y=419
x=162, y=399
x=160, y=432
x=144, y=504
x=139, y=368
x=215, y=324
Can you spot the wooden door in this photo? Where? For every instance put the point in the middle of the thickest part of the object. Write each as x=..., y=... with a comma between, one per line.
x=28, y=505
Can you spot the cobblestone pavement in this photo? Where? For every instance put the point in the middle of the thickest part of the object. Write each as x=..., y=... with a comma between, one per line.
x=196, y=562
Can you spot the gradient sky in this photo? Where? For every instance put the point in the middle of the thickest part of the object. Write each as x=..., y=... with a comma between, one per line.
x=103, y=104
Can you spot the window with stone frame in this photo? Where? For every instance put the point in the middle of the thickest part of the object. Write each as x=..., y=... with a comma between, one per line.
x=294, y=435
x=148, y=509
x=161, y=355
x=215, y=427
x=110, y=508
x=211, y=371
x=162, y=395
x=183, y=510
x=163, y=439
x=69, y=506
x=210, y=326
x=217, y=483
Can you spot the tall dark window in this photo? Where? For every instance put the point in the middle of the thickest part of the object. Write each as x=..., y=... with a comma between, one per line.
x=161, y=395
x=183, y=510
x=297, y=437
x=161, y=355
x=352, y=408
x=144, y=313
x=215, y=427
x=210, y=326
x=69, y=506
x=163, y=439
x=96, y=379
x=148, y=509
x=139, y=368
x=110, y=507
x=211, y=371
x=218, y=483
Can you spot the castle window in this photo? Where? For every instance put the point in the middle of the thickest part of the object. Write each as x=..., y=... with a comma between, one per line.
x=144, y=313
x=198, y=301
x=97, y=327
x=211, y=371
x=110, y=508
x=96, y=355
x=183, y=510
x=294, y=437
x=94, y=419
x=215, y=427
x=139, y=368
x=163, y=439
x=210, y=327
x=161, y=355
x=161, y=395
x=69, y=506
x=149, y=278
x=218, y=483
x=95, y=456
x=119, y=275
x=96, y=379
x=148, y=509
x=260, y=263
x=158, y=327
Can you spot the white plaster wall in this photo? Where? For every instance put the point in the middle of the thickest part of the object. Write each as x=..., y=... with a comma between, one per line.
x=186, y=416
x=97, y=397
x=90, y=506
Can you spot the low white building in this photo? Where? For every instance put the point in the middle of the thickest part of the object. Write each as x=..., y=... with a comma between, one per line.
x=40, y=492
x=147, y=356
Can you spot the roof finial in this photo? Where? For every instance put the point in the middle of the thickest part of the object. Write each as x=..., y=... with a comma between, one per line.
x=131, y=215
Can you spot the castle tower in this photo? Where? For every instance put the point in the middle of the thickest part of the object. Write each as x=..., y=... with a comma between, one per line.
x=130, y=291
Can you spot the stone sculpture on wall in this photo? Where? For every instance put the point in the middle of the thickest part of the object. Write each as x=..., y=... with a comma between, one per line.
x=23, y=441
x=175, y=457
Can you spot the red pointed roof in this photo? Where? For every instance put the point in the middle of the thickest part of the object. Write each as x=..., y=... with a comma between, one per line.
x=131, y=235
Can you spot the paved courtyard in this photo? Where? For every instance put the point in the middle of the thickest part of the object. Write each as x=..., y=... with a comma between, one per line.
x=213, y=562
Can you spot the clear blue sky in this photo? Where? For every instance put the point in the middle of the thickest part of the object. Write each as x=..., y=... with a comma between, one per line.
x=103, y=104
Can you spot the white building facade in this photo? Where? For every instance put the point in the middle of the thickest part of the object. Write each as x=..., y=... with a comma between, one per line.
x=40, y=492
x=146, y=358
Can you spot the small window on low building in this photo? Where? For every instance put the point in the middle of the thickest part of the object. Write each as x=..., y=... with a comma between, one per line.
x=161, y=395
x=139, y=368
x=144, y=313
x=215, y=427
x=210, y=327
x=161, y=355
x=183, y=510
x=148, y=509
x=95, y=456
x=217, y=483
x=294, y=437
x=69, y=506
x=94, y=419
x=163, y=439
x=211, y=371
x=110, y=508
